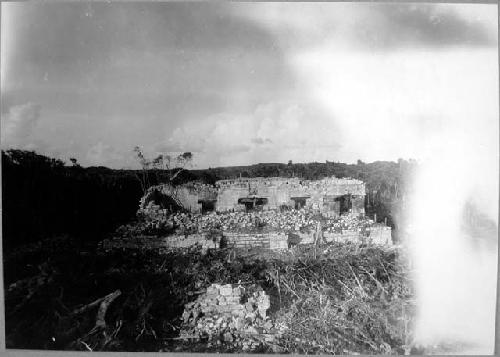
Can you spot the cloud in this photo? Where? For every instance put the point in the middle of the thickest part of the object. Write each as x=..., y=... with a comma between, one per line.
x=261, y=141
x=400, y=104
x=102, y=154
x=134, y=70
x=273, y=132
x=376, y=27
x=393, y=26
x=356, y=63
x=18, y=125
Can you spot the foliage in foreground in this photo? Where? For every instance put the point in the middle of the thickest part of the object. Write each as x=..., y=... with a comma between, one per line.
x=338, y=300
x=345, y=300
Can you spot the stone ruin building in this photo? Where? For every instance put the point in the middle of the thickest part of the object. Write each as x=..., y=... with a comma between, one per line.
x=331, y=196
x=265, y=213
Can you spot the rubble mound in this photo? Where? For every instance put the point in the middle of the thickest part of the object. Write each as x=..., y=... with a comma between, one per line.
x=229, y=314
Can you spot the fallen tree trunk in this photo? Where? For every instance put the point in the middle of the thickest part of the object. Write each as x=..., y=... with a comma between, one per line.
x=101, y=313
x=87, y=307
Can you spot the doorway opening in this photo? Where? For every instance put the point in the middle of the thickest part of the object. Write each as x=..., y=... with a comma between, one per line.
x=299, y=202
x=207, y=206
x=345, y=203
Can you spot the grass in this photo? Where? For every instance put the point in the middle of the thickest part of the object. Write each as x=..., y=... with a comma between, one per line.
x=334, y=299
x=347, y=299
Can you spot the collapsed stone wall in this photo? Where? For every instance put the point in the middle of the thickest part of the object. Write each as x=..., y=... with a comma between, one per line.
x=159, y=243
x=187, y=196
x=373, y=235
x=379, y=235
x=152, y=212
x=270, y=240
x=231, y=314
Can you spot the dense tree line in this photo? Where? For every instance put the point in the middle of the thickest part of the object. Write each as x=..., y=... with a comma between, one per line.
x=43, y=197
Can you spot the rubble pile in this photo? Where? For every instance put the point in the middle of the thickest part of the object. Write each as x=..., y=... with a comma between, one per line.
x=248, y=222
x=347, y=223
x=153, y=212
x=153, y=223
x=228, y=314
x=292, y=220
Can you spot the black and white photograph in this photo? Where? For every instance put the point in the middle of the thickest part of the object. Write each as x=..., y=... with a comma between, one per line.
x=250, y=177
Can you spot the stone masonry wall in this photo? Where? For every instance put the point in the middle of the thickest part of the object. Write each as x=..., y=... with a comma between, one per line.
x=280, y=191
x=380, y=235
x=272, y=240
x=147, y=242
x=236, y=240
x=256, y=240
x=376, y=235
x=227, y=199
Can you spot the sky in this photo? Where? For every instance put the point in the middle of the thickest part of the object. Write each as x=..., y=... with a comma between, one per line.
x=243, y=83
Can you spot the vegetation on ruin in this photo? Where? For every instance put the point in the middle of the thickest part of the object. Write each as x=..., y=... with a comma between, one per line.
x=334, y=299
x=44, y=197
x=168, y=166
x=61, y=292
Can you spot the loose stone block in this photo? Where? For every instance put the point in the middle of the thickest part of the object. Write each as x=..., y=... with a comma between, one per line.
x=226, y=290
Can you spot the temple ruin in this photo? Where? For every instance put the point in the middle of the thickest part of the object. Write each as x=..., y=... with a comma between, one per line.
x=255, y=213
x=331, y=196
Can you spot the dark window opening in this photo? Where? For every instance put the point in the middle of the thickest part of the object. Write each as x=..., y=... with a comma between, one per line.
x=253, y=203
